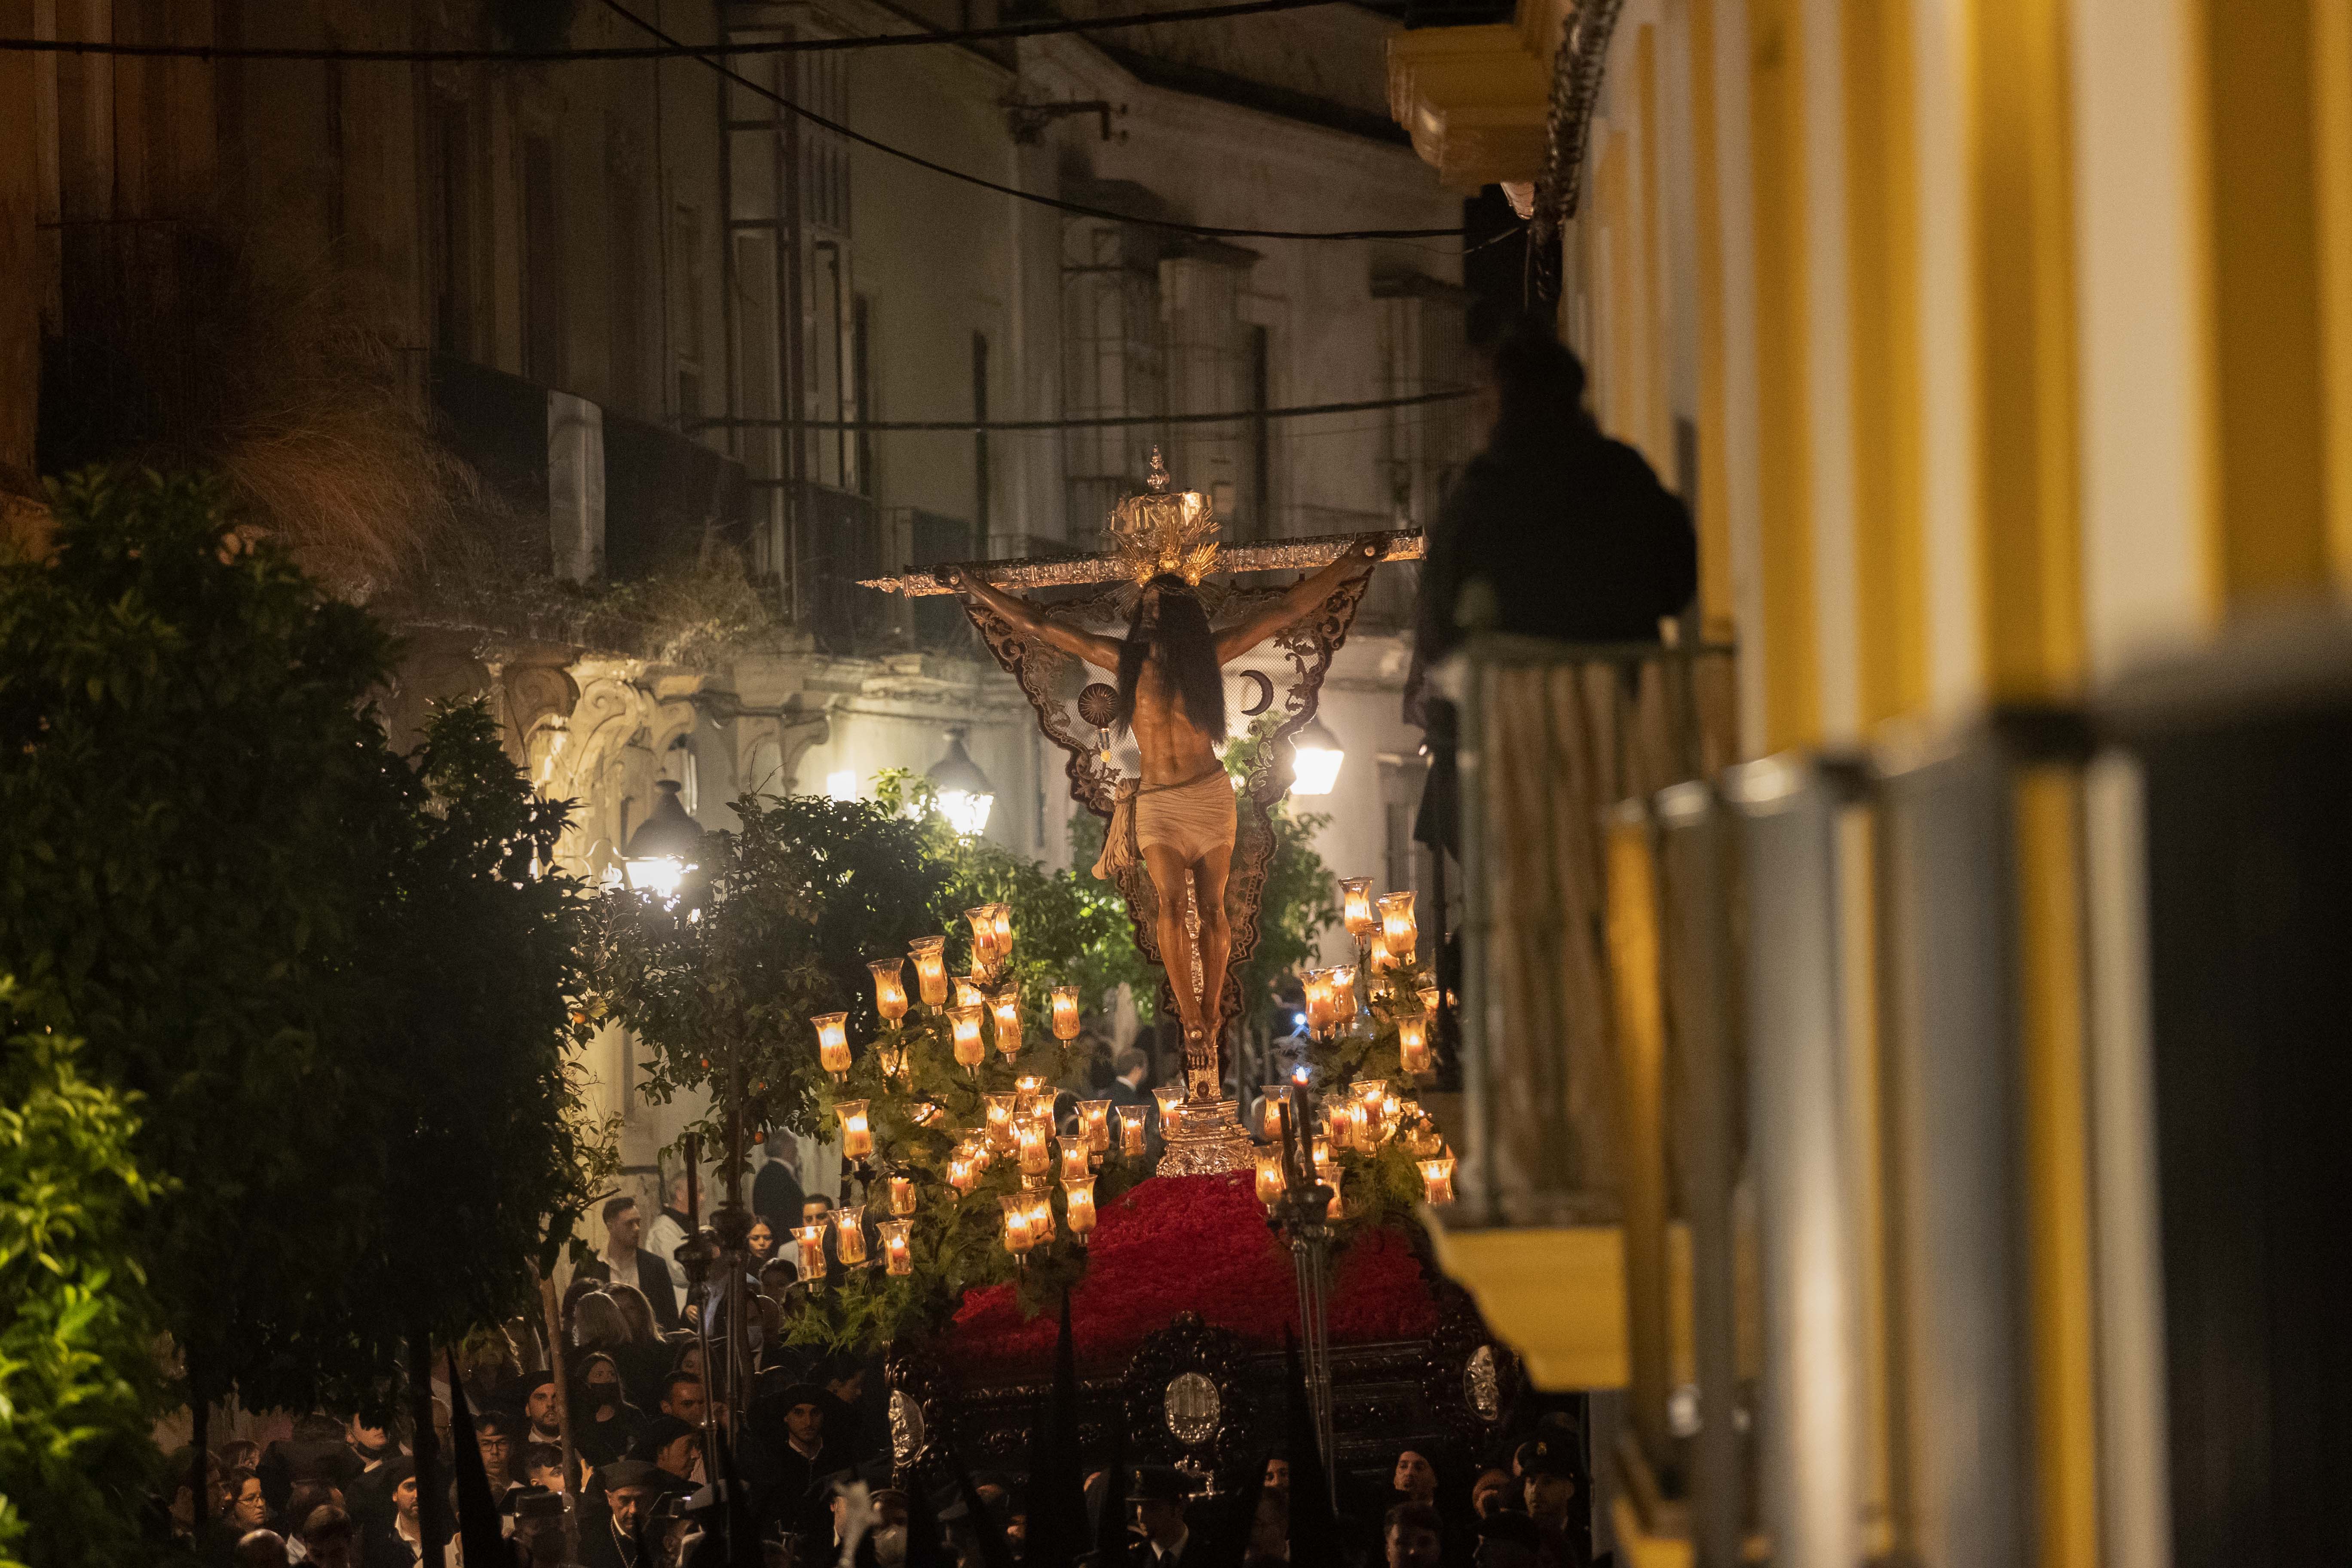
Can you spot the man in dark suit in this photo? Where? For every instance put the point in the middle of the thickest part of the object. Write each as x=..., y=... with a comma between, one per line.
x=776, y=1194
x=624, y=1261
x=1158, y=1499
x=788, y=1454
x=613, y=1535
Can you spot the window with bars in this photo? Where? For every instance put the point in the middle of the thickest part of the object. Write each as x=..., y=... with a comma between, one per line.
x=1112, y=366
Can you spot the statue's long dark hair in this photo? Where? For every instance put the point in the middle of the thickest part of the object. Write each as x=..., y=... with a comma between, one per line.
x=1172, y=627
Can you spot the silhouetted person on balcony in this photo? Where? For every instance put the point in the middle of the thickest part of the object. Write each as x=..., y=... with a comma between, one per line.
x=1554, y=530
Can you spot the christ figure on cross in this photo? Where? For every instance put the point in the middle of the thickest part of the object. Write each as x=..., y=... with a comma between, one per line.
x=1171, y=697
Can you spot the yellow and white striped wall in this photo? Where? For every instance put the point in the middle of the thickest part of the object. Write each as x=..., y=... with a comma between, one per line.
x=2000, y=343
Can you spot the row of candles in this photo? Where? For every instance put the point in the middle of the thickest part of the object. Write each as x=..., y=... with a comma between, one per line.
x=1366, y=1119
x=1021, y=1122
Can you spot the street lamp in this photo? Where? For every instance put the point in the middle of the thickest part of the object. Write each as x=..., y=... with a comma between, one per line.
x=661, y=851
x=1316, y=756
x=965, y=795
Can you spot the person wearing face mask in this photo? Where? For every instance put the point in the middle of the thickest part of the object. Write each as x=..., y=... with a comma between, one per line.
x=604, y=1423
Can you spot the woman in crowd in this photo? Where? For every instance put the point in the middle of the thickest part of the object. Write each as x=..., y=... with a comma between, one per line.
x=604, y=1422
x=644, y=1358
x=762, y=1243
x=248, y=1509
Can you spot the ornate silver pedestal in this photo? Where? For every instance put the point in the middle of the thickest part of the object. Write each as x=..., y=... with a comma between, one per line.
x=1207, y=1140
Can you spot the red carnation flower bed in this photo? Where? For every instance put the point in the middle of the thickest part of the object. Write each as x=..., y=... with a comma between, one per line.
x=1194, y=1244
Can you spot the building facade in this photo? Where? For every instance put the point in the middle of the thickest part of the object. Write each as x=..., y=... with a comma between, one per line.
x=606, y=285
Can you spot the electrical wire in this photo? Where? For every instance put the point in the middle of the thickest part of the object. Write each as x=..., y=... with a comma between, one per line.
x=646, y=51
x=1080, y=208
x=1103, y=422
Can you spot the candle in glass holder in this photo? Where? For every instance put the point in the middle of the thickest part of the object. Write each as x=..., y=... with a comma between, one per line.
x=1388, y=1117
x=1368, y=1089
x=898, y=1256
x=984, y=938
x=902, y=1196
x=811, y=1240
x=963, y=1174
x=1378, y=956
x=931, y=968
x=1269, y=1176
x=1356, y=904
x=968, y=995
x=857, y=1137
x=1006, y=1007
x=1094, y=1120
x=1337, y=1126
x=1321, y=1150
x=1363, y=1127
x=1412, y=1044
x=1318, y=985
x=969, y=1050
x=1000, y=1108
x=1437, y=1179
x=832, y=1043
x=849, y=1234
x=1041, y=1214
x=1269, y=1116
x=1033, y=1137
x=1170, y=1097
x=1131, y=1130
x=999, y=922
x=1018, y=1236
x=1078, y=1198
x=1066, y=1013
x=1028, y=1086
x=1075, y=1162
x=1330, y=1176
x=1397, y=927
x=1343, y=992
x=1429, y=1000
x=889, y=987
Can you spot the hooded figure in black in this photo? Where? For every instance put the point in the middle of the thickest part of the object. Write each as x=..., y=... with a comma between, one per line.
x=1554, y=530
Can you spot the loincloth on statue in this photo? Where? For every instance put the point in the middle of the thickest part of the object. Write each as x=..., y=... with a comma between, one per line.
x=1192, y=818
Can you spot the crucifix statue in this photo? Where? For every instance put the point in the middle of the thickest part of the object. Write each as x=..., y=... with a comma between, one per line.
x=1188, y=846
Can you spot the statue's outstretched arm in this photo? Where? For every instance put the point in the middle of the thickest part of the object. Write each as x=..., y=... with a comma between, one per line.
x=1301, y=599
x=1096, y=650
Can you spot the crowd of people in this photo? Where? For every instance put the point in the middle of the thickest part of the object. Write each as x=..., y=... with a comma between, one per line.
x=813, y=1453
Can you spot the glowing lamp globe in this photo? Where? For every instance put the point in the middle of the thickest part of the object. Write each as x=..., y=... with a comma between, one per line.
x=1316, y=756
x=965, y=795
x=664, y=849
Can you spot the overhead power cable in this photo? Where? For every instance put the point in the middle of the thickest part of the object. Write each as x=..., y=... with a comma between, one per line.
x=1040, y=28
x=1080, y=208
x=969, y=427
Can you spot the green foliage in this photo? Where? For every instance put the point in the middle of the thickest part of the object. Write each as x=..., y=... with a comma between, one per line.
x=775, y=928
x=322, y=967
x=1073, y=929
x=778, y=926
x=1300, y=901
x=1380, y=1187
x=78, y=1382
x=494, y=1149
x=917, y=1119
